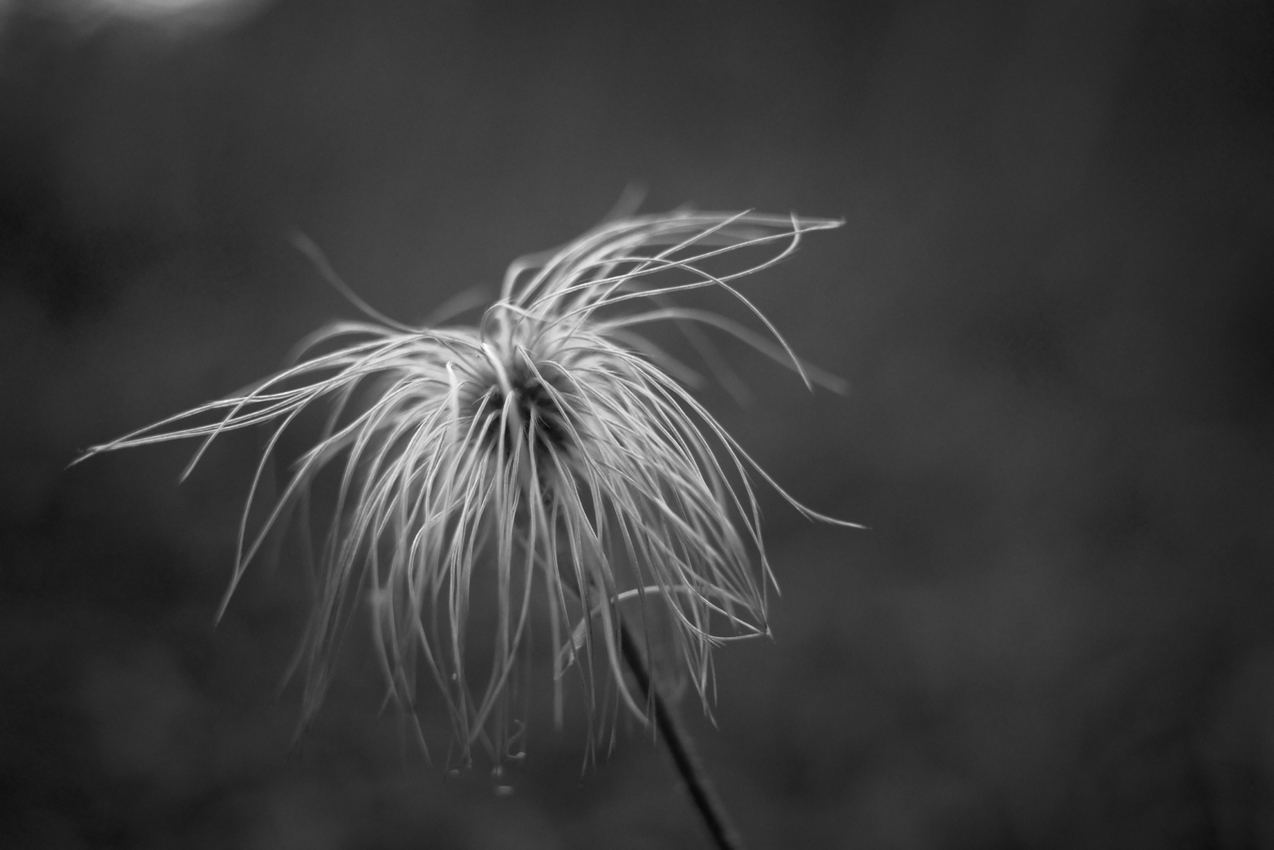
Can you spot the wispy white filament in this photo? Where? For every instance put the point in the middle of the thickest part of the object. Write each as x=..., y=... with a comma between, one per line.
x=552, y=453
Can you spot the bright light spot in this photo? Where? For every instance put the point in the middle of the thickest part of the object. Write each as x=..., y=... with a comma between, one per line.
x=169, y=8
x=172, y=16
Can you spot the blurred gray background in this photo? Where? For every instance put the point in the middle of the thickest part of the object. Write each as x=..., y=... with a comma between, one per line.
x=1051, y=298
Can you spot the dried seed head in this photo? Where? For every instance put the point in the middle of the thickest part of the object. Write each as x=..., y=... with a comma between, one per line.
x=546, y=457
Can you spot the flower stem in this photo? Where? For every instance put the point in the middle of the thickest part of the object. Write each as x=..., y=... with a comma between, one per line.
x=680, y=748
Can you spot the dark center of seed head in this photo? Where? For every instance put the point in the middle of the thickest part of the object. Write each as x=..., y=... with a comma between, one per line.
x=538, y=414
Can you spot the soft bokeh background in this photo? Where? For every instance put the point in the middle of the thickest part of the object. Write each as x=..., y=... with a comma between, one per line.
x=1052, y=298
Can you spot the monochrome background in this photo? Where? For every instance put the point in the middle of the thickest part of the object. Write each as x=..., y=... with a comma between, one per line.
x=1051, y=299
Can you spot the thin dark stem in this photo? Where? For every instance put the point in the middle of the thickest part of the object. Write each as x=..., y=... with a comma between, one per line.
x=680, y=747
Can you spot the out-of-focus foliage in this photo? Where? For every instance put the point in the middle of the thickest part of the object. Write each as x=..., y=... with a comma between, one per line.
x=1051, y=299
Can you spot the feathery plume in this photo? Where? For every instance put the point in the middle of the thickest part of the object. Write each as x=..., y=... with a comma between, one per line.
x=552, y=454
